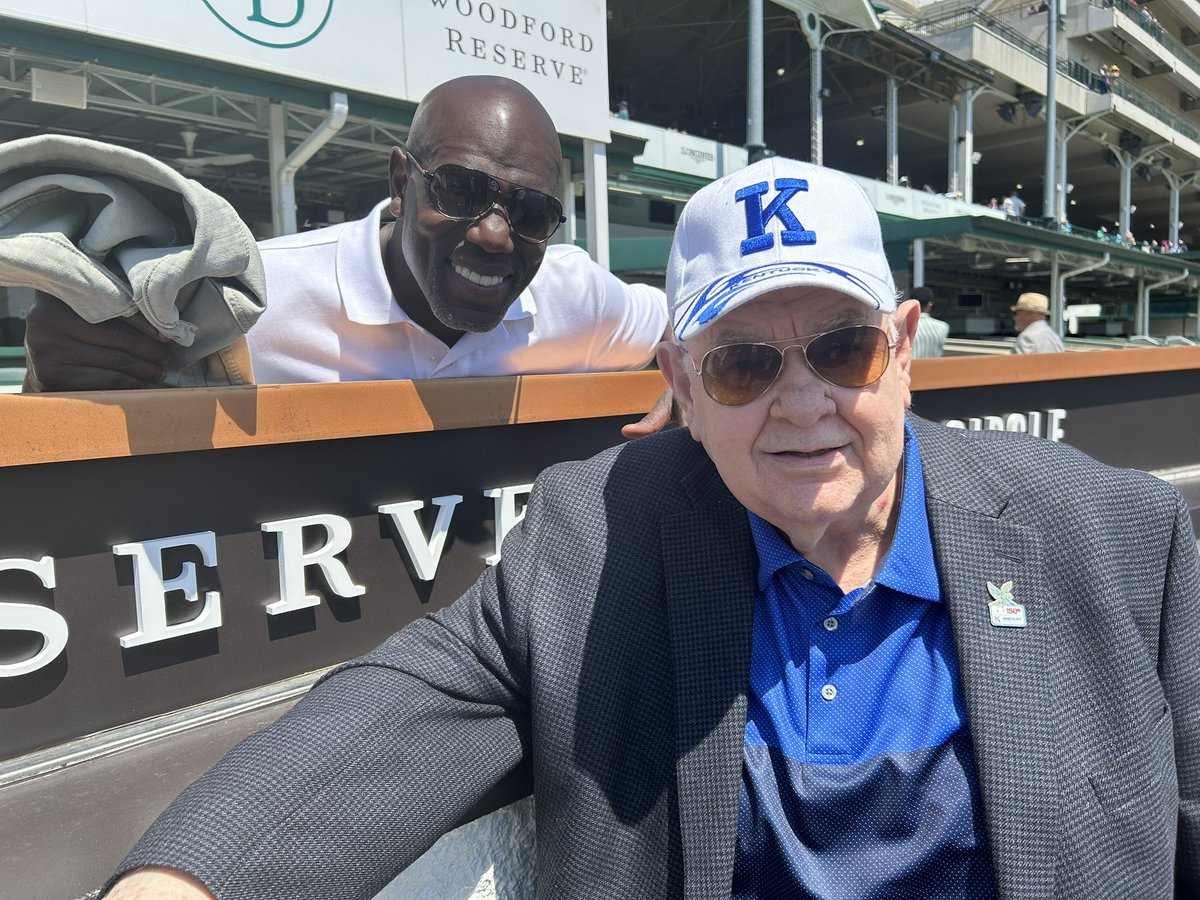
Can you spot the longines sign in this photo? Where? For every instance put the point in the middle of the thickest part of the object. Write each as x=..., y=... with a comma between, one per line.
x=393, y=48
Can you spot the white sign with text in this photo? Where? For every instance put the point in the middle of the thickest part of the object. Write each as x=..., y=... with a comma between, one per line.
x=393, y=48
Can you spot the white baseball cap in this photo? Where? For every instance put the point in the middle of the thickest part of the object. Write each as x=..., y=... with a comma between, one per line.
x=779, y=223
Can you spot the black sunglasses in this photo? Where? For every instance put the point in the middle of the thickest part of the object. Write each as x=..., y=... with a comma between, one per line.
x=852, y=357
x=468, y=195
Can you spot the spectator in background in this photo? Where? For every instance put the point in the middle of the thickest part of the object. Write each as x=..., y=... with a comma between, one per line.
x=1013, y=205
x=930, y=340
x=623, y=109
x=1034, y=334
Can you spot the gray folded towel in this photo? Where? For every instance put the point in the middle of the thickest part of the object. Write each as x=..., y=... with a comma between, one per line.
x=111, y=231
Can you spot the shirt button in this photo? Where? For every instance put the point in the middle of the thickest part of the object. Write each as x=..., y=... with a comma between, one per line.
x=828, y=692
x=432, y=358
x=807, y=573
x=830, y=624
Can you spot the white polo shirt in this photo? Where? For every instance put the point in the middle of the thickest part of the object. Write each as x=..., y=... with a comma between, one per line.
x=331, y=317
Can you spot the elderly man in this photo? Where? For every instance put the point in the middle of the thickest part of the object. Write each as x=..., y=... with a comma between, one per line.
x=809, y=646
x=1034, y=334
x=451, y=276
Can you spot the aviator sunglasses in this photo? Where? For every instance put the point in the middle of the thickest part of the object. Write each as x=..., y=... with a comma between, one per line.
x=852, y=357
x=468, y=195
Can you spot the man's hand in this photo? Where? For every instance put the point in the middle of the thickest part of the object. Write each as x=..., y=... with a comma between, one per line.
x=67, y=353
x=656, y=420
x=158, y=884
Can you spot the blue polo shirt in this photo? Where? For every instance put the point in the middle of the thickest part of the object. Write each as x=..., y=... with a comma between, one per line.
x=859, y=779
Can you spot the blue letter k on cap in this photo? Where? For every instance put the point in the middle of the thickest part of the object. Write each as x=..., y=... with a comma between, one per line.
x=756, y=217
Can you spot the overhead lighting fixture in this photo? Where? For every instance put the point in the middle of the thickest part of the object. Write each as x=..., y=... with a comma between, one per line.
x=781, y=71
x=859, y=142
x=58, y=88
x=1016, y=259
x=1032, y=103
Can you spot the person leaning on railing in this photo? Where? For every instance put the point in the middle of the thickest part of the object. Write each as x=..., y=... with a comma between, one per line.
x=449, y=277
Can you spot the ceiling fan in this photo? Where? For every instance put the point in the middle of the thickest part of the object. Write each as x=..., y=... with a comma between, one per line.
x=192, y=165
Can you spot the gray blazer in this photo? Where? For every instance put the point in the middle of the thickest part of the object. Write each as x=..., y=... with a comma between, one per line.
x=604, y=664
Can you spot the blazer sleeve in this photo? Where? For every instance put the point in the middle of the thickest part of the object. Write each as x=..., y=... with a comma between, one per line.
x=1179, y=669
x=382, y=756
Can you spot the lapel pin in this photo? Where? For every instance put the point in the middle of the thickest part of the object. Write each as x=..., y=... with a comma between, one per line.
x=1005, y=611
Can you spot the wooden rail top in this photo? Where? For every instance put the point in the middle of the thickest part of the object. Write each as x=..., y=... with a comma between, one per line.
x=104, y=424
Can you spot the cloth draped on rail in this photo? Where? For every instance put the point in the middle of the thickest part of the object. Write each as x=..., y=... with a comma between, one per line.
x=114, y=232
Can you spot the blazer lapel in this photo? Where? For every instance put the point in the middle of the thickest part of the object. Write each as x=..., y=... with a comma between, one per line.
x=709, y=562
x=1004, y=678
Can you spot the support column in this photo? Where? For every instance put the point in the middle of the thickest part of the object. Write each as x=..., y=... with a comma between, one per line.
x=755, y=142
x=967, y=119
x=1124, y=213
x=1177, y=184
x=1173, y=228
x=1049, y=203
x=892, y=126
x=918, y=252
x=953, y=160
x=283, y=172
x=276, y=154
x=1058, y=295
x=595, y=190
x=1060, y=150
x=816, y=101
x=1141, y=317
x=566, y=196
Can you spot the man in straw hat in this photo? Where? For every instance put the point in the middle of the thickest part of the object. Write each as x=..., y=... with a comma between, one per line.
x=810, y=645
x=1034, y=334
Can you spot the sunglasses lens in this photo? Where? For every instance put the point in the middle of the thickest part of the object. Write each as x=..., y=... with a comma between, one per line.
x=737, y=373
x=462, y=193
x=459, y=193
x=534, y=215
x=849, y=357
x=853, y=357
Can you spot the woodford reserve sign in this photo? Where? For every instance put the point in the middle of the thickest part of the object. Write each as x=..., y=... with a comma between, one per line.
x=159, y=549
x=391, y=48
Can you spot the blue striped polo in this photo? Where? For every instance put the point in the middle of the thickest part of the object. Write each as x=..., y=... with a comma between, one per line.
x=859, y=778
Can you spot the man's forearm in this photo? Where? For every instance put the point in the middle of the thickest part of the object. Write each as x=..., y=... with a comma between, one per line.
x=158, y=884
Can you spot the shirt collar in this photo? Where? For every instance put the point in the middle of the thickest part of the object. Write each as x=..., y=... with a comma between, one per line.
x=362, y=281
x=909, y=566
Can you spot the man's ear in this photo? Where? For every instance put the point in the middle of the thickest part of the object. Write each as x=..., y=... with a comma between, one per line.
x=397, y=181
x=675, y=370
x=906, y=317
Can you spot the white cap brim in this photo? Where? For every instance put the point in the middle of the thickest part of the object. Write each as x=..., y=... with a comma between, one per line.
x=727, y=294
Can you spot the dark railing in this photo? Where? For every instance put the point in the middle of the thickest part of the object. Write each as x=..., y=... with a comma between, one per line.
x=963, y=16
x=1143, y=18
